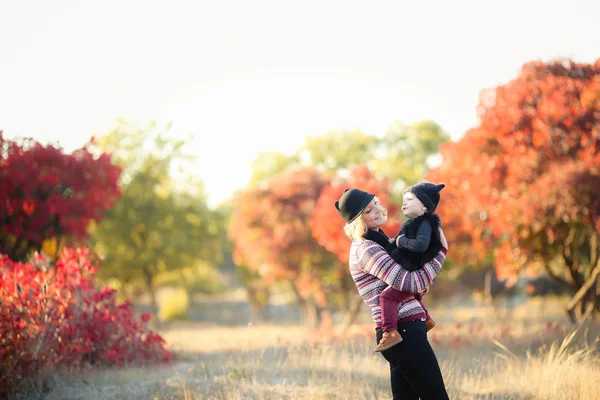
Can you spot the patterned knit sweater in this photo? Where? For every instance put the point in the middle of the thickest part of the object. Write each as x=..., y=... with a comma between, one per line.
x=373, y=270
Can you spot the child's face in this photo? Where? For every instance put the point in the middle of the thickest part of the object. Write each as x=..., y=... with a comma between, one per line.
x=374, y=214
x=412, y=206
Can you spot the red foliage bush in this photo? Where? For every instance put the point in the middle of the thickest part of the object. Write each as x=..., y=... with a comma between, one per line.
x=52, y=317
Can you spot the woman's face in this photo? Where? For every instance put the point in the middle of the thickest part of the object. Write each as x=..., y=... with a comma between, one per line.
x=412, y=206
x=374, y=215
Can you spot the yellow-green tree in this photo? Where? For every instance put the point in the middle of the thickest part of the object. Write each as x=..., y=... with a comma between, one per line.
x=159, y=224
x=404, y=154
x=407, y=151
x=268, y=164
x=340, y=150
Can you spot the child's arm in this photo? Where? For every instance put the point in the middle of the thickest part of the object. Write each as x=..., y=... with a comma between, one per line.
x=420, y=243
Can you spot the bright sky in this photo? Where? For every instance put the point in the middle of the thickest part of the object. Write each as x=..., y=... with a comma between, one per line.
x=248, y=76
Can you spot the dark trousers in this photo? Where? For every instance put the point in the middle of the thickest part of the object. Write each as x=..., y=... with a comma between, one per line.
x=414, y=369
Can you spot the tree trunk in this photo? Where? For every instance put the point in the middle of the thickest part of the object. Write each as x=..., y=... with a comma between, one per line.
x=258, y=298
x=13, y=253
x=353, y=312
x=487, y=290
x=570, y=255
x=582, y=296
x=3, y=240
x=558, y=278
x=299, y=299
x=593, y=252
x=597, y=302
x=312, y=314
x=345, y=290
x=149, y=278
x=259, y=312
x=57, y=249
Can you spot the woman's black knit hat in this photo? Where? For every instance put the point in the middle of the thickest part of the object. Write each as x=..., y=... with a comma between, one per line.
x=428, y=193
x=352, y=203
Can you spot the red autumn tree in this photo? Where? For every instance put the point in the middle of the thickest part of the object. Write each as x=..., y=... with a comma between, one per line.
x=270, y=229
x=466, y=172
x=525, y=181
x=326, y=224
x=45, y=193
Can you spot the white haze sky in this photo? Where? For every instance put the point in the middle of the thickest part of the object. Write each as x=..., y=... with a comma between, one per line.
x=250, y=76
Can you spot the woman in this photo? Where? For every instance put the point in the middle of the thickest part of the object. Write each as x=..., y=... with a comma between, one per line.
x=414, y=369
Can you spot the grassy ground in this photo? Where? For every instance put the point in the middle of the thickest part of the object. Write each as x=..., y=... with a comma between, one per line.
x=525, y=352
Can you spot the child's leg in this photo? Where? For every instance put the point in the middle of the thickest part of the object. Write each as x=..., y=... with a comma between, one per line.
x=388, y=300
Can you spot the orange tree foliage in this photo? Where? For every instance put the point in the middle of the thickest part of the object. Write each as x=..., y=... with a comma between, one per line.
x=524, y=182
x=270, y=229
x=326, y=224
x=45, y=193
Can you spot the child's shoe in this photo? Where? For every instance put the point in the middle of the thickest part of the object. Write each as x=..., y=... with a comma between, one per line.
x=388, y=340
x=430, y=323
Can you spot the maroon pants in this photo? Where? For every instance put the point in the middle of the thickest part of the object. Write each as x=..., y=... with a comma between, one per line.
x=388, y=300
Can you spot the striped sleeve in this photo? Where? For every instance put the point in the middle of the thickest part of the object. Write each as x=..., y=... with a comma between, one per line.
x=373, y=259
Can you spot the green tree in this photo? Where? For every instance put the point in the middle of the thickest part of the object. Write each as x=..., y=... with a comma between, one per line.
x=338, y=151
x=268, y=164
x=159, y=224
x=406, y=152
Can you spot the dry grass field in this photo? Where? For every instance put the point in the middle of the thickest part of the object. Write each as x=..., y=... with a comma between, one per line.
x=527, y=351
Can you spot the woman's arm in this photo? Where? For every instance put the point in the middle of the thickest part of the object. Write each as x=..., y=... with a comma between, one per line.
x=373, y=259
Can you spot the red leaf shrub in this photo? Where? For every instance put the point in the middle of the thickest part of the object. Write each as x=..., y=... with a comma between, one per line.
x=54, y=317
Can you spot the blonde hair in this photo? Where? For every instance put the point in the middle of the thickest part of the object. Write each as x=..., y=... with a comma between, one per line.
x=356, y=229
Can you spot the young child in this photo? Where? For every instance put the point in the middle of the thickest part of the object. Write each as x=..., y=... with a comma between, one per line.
x=417, y=243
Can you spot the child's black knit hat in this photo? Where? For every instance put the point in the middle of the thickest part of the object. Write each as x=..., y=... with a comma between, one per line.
x=428, y=193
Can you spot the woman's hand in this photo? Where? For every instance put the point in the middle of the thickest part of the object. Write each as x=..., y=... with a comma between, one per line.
x=398, y=240
x=420, y=295
x=443, y=239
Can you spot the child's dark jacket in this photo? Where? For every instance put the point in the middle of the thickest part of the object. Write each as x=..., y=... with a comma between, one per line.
x=420, y=244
